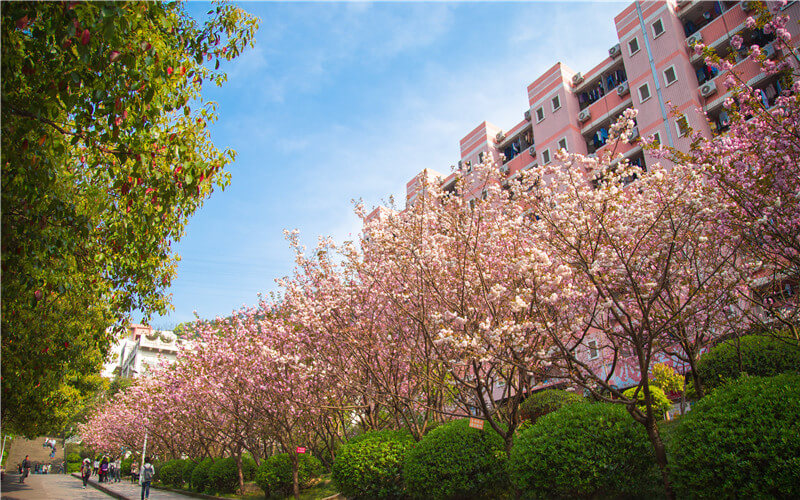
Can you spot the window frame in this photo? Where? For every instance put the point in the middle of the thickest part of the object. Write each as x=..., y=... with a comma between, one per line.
x=546, y=152
x=674, y=73
x=556, y=99
x=595, y=348
x=638, y=48
x=653, y=27
x=657, y=138
x=566, y=145
x=684, y=119
x=539, y=114
x=639, y=91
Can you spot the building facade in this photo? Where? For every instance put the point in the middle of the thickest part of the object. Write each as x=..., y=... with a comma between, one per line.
x=651, y=67
x=143, y=349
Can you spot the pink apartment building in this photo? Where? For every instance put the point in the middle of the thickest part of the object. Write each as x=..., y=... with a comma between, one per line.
x=650, y=67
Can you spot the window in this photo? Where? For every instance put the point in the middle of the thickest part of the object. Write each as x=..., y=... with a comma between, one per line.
x=656, y=139
x=540, y=114
x=481, y=156
x=594, y=352
x=670, y=76
x=633, y=46
x=644, y=92
x=556, y=103
x=562, y=144
x=658, y=28
x=682, y=125
x=545, y=157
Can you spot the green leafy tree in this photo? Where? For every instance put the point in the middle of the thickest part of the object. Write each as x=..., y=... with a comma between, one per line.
x=105, y=156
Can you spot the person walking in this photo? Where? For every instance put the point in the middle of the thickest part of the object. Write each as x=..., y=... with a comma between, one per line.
x=103, y=473
x=145, y=477
x=26, y=469
x=86, y=471
x=134, y=473
x=117, y=469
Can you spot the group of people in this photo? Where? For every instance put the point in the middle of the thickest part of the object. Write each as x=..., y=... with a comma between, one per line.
x=108, y=471
x=26, y=465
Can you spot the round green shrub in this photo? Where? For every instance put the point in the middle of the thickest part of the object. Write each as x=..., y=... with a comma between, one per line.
x=200, y=480
x=223, y=475
x=188, y=469
x=371, y=465
x=73, y=467
x=274, y=476
x=171, y=473
x=741, y=441
x=457, y=461
x=761, y=355
x=584, y=451
x=73, y=457
x=661, y=403
x=541, y=403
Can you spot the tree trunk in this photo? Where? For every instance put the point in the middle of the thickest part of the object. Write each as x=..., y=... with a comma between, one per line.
x=661, y=453
x=295, y=478
x=239, y=470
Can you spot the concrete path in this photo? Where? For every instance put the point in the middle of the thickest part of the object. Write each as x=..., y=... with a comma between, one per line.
x=49, y=487
x=69, y=487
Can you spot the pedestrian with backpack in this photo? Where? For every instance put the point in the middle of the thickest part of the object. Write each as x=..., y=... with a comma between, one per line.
x=145, y=477
x=86, y=471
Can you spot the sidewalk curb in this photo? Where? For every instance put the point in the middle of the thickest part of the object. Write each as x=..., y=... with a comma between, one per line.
x=98, y=486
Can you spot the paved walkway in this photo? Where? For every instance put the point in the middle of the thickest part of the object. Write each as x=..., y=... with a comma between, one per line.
x=69, y=487
x=49, y=487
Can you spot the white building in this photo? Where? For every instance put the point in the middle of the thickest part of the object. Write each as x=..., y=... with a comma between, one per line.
x=142, y=349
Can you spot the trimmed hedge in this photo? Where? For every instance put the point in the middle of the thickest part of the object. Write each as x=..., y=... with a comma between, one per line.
x=371, y=465
x=200, y=480
x=457, y=461
x=541, y=403
x=74, y=457
x=761, y=355
x=661, y=403
x=274, y=476
x=741, y=441
x=585, y=451
x=175, y=472
x=223, y=475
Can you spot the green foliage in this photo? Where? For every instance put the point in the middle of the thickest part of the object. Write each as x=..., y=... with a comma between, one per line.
x=661, y=403
x=73, y=467
x=752, y=354
x=584, y=451
x=457, y=461
x=126, y=465
x=200, y=475
x=370, y=466
x=188, y=469
x=541, y=403
x=172, y=473
x=666, y=378
x=73, y=457
x=741, y=441
x=223, y=476
x=274, y=476
x=103, y=162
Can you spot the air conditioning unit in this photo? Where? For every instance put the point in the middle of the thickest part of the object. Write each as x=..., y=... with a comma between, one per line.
x=460, y=164
x=694, y=39
x=623, y=89
x=577, y=78
x=683, y=3
x=500, y=136
x=584, y=115
x=614, y=51
x=768, y=51
x=634, y=134
x=708, y=88
x=504, y=169
x=532, y=151
x=528, y=115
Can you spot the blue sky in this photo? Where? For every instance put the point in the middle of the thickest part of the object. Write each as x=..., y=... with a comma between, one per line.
x=344, y=101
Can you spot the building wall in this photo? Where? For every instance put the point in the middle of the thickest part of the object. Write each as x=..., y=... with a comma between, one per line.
x=658, y=30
